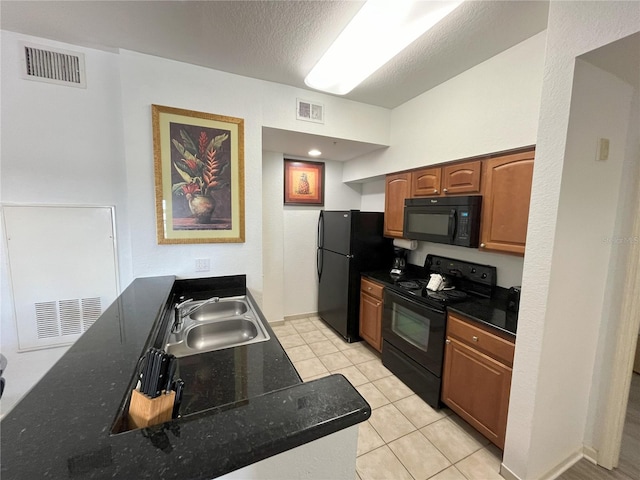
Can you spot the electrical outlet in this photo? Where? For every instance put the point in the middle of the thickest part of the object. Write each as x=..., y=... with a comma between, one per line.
x=202, y=265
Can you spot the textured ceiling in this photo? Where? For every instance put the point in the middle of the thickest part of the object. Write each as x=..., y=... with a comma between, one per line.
x=280, y=41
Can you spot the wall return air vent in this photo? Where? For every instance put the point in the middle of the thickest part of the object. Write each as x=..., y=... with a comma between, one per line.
x=309, y=111
x=66, y=317
x=53, y=65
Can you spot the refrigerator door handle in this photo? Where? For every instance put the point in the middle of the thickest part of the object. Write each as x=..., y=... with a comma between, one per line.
x=319, y=262
x=321, y=229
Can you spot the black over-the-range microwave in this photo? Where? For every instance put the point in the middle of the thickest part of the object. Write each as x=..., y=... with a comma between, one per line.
x=451, y=220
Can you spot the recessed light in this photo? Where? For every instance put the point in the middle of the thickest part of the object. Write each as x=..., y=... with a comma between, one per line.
x=378, y=32
x=315, y=152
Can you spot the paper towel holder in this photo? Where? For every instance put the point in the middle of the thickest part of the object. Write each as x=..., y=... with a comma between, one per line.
x=404, y=243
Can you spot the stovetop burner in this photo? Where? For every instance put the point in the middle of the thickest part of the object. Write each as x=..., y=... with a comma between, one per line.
x=446, y=296
x=413, y=284
x=418, y=288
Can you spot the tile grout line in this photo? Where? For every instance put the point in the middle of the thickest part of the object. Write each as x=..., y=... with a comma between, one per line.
x=417, y=429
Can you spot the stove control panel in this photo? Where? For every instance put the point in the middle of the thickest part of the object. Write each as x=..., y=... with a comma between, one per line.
x=473, y=276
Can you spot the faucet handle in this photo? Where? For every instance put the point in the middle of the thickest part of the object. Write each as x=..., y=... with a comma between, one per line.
x=182, y=303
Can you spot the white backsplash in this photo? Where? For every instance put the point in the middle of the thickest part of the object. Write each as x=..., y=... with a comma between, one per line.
x=509, y=267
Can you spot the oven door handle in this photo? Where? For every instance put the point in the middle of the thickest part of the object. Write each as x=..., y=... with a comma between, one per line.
x=402, y=298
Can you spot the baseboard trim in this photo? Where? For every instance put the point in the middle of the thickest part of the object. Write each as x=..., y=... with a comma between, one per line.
x=555, y=472
x=563, y=466
x=300, y=315
x=508, y=474
x=590, y=454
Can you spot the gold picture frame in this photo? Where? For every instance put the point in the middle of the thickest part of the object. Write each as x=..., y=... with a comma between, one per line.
x=199, y=176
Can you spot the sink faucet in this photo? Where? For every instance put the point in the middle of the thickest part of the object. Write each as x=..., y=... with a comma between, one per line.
x=178, y=314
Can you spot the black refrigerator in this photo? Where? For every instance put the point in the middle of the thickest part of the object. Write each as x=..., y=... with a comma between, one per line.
x=349, y=242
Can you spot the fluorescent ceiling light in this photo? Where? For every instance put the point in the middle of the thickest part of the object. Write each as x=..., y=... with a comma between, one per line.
x=314, y=152
x=378, y=32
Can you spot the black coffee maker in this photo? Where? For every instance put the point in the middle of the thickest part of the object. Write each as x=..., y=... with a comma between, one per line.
x=399, y=262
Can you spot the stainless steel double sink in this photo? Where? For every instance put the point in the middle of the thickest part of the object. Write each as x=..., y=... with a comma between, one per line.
x=214, y=325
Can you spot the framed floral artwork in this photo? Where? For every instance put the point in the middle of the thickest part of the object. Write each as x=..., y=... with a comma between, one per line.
x=303, y=183
x=199, y=176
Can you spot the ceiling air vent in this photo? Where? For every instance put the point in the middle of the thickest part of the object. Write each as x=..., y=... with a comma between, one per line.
x=61, y=67
x=309, y=111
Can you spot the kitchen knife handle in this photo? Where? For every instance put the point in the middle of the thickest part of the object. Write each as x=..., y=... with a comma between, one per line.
x=171, y=371
x=179, y=387
x=148, y=367
x=142, y=363
x=155, y=374
x=162, y=373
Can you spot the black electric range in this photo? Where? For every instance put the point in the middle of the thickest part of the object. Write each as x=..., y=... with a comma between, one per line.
x=414, y=319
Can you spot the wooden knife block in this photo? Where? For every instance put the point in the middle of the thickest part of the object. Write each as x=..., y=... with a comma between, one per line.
x=145, y=411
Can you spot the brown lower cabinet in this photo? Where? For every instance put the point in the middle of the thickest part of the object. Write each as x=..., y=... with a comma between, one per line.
x=371, y=307
x=476, y=380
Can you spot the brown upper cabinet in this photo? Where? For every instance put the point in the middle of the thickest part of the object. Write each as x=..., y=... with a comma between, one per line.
x=503, y=180
x=397, y=189
x=454, y=179
x=505, y=204
x=461, y=178
x=426, y=182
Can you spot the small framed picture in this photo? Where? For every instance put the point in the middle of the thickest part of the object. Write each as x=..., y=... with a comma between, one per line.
x=303, y=183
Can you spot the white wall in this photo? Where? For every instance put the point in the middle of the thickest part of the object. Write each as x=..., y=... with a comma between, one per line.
x=555, y=348
x=373, y=196
x=491, y=107
x=60, y=145
x=620, y=242
x=332, y=456
x=93, y=146
x=297, y=239
x=273, y=237
x=147, y=80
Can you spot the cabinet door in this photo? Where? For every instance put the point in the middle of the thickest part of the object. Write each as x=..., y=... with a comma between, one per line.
x=371, y=320
x=505, y=204
x=461, y=178
x=476, y=387
x=397, y=189
x=426, y=182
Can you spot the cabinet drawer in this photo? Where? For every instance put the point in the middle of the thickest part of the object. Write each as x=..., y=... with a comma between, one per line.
x=372, y=288
x=481, y=340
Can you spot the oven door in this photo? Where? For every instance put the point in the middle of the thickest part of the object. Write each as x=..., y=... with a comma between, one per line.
x=415, y=329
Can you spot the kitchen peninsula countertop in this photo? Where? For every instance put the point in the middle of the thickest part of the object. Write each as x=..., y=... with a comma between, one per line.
x=241, y=405
x=487, y=311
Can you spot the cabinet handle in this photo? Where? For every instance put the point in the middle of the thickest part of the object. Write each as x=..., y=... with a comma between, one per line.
x=435, y=191
x=482, y=245
x=378, y=304
x=447, y=341
x=445, y=190
x=474, y=338
x=369, y=288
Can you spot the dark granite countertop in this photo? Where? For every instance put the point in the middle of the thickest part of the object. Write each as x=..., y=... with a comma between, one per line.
x=487, y=311
x=241, y=405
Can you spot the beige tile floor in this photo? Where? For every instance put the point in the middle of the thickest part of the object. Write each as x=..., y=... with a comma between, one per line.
x=404, y=438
